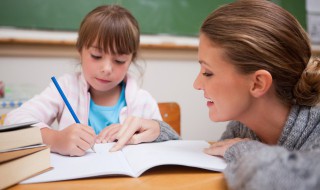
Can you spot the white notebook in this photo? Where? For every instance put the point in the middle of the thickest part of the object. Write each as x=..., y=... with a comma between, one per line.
x=132, y=160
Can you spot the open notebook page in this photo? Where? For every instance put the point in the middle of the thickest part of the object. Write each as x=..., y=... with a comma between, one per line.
x=92, y=164
x=185, y=153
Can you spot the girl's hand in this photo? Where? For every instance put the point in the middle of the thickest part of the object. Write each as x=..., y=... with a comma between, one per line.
x=72, y=141
x=108, y=134
x=219, y=148
x=136, y=130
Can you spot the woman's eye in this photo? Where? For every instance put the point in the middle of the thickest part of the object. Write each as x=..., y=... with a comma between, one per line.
x=95, y=56
x=207, y=74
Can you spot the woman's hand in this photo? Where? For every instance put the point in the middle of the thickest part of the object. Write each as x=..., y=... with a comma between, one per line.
x=136, y=130
x=219, y=148
x=72, y=141
x=109, y=133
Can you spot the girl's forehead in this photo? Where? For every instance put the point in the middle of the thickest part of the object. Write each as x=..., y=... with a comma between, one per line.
x=101, y=46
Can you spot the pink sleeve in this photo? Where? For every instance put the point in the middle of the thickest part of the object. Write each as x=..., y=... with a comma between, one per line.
x=44, y=108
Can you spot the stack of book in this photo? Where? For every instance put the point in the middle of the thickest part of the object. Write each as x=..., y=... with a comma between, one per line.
x=22, y=153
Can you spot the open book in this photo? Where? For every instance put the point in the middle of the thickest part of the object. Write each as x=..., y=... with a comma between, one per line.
x=132, y=160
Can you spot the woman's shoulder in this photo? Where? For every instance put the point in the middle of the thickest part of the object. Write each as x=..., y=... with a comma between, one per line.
x=305, y=114
x=315, y=110
x=238, y=129
x=236, y=125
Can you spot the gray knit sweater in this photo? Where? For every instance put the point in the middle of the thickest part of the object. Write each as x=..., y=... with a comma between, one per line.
x=293, y=164
x=166, y=132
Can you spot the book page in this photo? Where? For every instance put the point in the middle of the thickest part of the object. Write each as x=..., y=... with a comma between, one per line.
x=178, y=152
x=17, y=126
x=92, y=164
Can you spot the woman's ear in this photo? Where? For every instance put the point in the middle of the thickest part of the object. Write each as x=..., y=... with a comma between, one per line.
x=261, y=83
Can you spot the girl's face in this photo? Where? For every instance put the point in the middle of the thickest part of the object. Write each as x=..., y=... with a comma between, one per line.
x=103, y=71
x=226, y=90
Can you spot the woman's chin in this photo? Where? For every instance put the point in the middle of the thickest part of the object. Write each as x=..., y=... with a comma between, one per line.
x=213, y=117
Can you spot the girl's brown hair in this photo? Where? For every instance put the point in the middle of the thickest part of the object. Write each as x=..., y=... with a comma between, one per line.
x=112, y=28
x=258, y=34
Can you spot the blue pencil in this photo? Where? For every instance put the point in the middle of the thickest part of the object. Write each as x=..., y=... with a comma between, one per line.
x=54, y=80
x=65, y=99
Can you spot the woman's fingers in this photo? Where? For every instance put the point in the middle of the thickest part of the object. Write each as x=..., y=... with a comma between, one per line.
x=136, y=130
x=108, y=134
x=129, y=128
x=213, y=151
x=219, y=148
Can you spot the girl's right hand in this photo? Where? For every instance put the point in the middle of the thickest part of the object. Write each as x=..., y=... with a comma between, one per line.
x=72, y=141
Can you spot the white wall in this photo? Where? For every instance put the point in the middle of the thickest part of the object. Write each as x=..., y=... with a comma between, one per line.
x=172, y=80
x=166, y=80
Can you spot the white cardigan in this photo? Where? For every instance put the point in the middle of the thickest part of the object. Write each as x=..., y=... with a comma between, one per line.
x=48, y=105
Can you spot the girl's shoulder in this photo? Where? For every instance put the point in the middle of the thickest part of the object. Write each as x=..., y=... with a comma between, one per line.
x=133, y=90
x=70, y=76
x=71, y=79
x=74, y=82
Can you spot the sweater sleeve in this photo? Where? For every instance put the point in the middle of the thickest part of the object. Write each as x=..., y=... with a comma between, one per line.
x=237, y=129
x=253, y=165
x=166, y=132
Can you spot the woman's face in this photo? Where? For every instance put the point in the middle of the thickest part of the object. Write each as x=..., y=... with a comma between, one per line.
x=103, y=71
x=226, y=90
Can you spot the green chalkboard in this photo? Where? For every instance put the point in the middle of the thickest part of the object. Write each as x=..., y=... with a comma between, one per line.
x=175, y=17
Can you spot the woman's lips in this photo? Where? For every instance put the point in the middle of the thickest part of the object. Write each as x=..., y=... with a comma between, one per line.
x=210, y=103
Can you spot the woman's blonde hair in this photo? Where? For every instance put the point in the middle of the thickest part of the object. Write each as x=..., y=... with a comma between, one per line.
x=113, y=28
x=258, y=34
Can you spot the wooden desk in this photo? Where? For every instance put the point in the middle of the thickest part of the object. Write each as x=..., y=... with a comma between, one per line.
x=163, y=177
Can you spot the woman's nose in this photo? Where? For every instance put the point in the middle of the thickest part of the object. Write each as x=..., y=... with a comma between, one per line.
x=197, y=83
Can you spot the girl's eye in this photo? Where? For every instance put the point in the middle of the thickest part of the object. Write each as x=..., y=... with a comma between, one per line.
x=95, y=56
x=206, y=74
x=119, y=61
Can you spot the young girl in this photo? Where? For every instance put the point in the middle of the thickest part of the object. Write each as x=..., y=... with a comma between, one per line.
x=104, y=96
x=257, y=71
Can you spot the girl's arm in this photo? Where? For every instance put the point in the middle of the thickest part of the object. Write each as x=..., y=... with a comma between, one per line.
x=72, y=141
x=43, y=108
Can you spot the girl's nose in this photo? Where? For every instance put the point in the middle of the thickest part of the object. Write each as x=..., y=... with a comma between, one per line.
x=106, y=66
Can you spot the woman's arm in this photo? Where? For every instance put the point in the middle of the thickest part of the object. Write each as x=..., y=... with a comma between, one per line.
x=136, y=130
x=253, y=165
x=166, y=132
